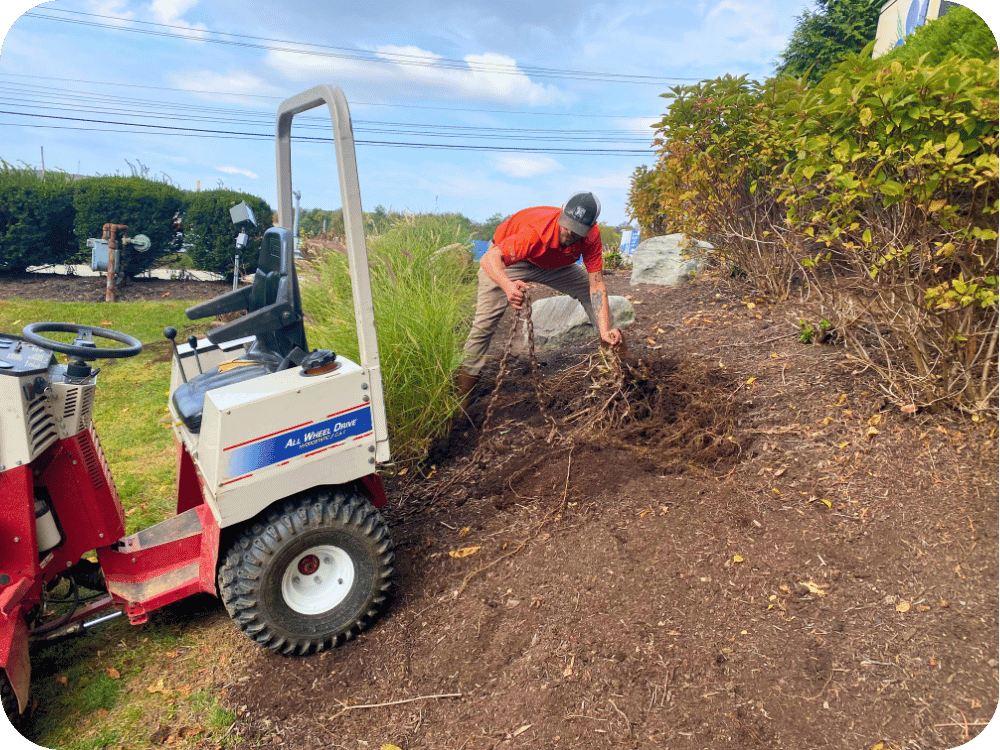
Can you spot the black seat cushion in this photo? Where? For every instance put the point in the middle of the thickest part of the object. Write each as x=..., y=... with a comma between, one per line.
x=189, y=398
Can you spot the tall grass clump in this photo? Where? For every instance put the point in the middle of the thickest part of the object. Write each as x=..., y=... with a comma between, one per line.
x=424, y=292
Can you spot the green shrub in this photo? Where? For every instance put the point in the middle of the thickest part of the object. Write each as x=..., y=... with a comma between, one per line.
x=960, y=33
x=424, y=294
x=210, y=235
x=145, y=206
x=877, y=187
x=895, y=178
x=36, y=218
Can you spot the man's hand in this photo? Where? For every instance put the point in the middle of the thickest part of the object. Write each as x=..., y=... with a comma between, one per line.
x=515, y=293
x=612, y=338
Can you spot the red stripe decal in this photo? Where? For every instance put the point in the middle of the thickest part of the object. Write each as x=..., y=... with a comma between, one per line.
x=262, y=437
x=230, y=481
x=344, y=411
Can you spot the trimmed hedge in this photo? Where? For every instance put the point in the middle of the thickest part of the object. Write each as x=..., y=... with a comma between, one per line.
x=210, y=235
x=36, y=218
x=145, y=206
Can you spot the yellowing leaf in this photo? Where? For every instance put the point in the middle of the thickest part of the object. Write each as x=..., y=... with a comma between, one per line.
x=814, y=588
x=737, y=558
x=113, y=673
x=465, y=551
x=387, y=746
x=750, y=380
x=872, y=432
x=903, y=607
x=875, y=419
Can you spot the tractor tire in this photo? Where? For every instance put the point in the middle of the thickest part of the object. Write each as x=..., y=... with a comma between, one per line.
x=313, y=575
x=8, y=697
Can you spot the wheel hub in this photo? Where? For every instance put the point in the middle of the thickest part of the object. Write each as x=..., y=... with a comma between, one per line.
x=318, y=579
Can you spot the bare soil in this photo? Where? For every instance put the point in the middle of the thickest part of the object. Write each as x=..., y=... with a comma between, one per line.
x=728, y=539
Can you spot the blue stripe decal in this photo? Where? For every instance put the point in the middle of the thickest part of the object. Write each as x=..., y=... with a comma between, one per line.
x=248, y=458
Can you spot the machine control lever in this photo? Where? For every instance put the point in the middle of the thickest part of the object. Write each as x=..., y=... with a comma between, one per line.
x=171, y=333
x=193, y=343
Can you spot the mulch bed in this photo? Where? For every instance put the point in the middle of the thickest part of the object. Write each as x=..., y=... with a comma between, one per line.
x=730, y=540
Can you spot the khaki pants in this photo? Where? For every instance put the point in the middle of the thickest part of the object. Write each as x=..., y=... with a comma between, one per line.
x=492, y=303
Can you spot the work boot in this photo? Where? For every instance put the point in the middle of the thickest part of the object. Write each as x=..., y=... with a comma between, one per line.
x=465, y=382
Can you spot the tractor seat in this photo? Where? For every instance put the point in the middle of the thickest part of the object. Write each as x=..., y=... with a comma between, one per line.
x=189, y=398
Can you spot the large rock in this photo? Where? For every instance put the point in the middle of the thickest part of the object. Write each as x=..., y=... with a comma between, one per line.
x=667, y=260
x=561, y=320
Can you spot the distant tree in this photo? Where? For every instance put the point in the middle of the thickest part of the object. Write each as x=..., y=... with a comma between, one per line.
x=315, y=221
x=486, y=230
x=823, y=39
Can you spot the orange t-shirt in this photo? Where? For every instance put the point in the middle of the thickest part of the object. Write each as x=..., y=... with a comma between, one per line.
x=532, y=234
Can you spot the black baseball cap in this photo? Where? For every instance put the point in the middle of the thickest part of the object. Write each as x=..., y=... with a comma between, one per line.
x=580, y=213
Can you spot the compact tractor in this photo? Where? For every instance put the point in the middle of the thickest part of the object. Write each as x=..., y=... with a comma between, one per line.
x=277, y=448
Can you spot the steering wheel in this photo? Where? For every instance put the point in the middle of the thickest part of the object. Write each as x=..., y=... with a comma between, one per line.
x=132, y=345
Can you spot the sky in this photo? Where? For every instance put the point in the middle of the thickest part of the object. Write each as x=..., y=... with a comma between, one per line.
x=467, y=106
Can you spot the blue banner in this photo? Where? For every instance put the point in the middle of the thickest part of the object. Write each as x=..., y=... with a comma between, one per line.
x=247, y=458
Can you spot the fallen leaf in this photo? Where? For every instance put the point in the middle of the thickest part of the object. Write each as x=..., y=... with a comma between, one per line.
x=61, y=679
x=814, y=588
x=908, y=409
x=875, y=419
x=464, y=551
x=522, y=730
x=872, y=432
x=113, y=673
x=750, y=381
x=388, y=746
x=903, y=607
x=737, y=558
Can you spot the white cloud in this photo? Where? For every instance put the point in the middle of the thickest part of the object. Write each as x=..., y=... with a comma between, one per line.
x=489, y=77
x=525, y=165
x=237, y=84
x=239, y=170
x=114, y=8
x=171, y=12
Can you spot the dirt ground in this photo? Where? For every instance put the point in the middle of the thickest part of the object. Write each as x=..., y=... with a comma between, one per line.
x=728, y=540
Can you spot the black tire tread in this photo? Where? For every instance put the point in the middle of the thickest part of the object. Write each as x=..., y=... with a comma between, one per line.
x=241, y=572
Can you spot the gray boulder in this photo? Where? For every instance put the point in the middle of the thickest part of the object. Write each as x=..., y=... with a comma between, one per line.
x=559, y=321
x=668, y=260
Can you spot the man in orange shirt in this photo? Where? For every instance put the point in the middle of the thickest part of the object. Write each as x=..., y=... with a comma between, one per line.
x=539, y=245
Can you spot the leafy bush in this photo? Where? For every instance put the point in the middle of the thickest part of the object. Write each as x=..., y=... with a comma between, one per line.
x=145, y=206
x=36, y=218
x=877, y=187
x=895, y=176
x=210, y=235
x=960, y=32
x=424, y=297
x=720, y=145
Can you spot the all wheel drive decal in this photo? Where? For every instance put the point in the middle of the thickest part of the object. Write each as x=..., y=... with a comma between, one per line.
x=247, y=457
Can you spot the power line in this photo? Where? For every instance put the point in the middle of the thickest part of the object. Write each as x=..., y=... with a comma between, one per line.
x=201, y=132
x=192, y=34
x=353, y=103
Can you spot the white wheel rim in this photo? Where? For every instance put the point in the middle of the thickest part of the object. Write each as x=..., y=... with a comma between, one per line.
x=318, y=579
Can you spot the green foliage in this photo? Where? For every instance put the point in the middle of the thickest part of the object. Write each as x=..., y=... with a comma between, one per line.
x=36, y=218
x=313, y=221
x=875, y=190
x=486, y=230
x=823, y=39
x=960, y=32
x=146, y=206
x=423, y=291
x=210, y=235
